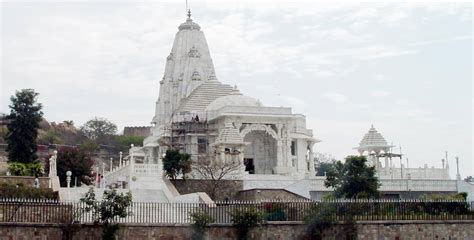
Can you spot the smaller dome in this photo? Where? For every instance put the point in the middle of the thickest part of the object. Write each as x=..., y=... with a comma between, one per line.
x=373, y=139
x=233, y=100
x=189, y=24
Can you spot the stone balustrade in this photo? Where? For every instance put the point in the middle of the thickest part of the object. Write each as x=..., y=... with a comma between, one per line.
x=147, y=169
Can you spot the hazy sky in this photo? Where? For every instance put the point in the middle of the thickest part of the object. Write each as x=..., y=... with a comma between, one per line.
x=406, y=68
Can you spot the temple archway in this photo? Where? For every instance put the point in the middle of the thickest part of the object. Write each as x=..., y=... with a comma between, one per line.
x=260, y=156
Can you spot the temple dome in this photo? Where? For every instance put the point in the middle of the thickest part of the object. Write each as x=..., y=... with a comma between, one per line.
x=189, y=24
x=233, y=100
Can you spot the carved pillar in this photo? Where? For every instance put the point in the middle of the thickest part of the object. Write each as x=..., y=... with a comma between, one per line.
x=279, y=153
x=289, y=158
x=311, y=157
x=221, y=153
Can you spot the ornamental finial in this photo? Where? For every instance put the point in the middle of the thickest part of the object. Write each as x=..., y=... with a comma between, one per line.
x=189, y=14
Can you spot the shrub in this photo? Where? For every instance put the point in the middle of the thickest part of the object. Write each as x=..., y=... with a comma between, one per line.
x=21, y=191
x=112, y=206
x=319, y=218
x=274, y=212
x=245, y=219
x=200, y=221
x=25, y=169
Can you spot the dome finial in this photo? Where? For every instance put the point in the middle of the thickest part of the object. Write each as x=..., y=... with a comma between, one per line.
x=189, y=14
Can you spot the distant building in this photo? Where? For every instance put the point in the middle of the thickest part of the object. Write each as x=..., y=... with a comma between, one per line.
x=142, y=131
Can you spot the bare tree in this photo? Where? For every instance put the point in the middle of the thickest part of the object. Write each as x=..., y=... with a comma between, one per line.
x=213, y=172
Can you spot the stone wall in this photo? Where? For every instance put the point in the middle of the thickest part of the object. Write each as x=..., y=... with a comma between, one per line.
x=142, y=131
x=26, y=181
x=228, y=189
x=265, y=194
x=416, y=230
x=421, y=230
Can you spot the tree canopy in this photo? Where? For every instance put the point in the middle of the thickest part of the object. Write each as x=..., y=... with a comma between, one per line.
x=25, y=116
x=353, y=179
x=98, y=128
x=75, y=160
x=176, y=163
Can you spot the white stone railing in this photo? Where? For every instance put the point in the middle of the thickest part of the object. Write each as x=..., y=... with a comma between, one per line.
x=147, y=169
x=401, y=185
x=118, y=174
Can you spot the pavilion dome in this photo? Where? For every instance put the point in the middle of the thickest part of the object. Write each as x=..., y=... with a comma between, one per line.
x=233, y=100
x=373, y=139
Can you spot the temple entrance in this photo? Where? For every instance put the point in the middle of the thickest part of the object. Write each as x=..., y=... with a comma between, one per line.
x=262, y=150
x=249, y=166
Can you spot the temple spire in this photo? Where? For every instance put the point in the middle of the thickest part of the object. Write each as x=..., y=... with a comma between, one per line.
x=188, y=10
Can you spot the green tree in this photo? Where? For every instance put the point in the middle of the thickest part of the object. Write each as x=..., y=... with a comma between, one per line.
x=75, y=160
x=353, y=179
x=106, y=211
x=25, y=116
x=98, y=128
x=324, y=167
x=175, y=163
x=123, y=142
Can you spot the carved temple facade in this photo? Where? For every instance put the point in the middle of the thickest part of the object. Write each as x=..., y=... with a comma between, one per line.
x=207, y=119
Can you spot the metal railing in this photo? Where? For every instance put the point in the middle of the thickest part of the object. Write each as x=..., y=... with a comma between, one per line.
x=51, y=211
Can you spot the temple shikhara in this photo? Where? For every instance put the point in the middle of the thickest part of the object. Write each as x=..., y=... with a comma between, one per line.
x=206, y=118
x=199, y=114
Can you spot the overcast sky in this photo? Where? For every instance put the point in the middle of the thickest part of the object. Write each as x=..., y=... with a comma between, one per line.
x=406, y=68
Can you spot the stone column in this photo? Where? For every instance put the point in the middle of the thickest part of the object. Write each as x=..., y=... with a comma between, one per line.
x=222, y=153
x=311, y=157
x=289, y=157
x=279, y=153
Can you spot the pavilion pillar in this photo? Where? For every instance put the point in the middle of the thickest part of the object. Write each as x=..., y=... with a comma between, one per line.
x=311, y=157
x=279, y=153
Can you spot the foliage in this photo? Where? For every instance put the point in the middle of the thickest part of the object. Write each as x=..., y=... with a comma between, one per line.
x=21, y=191
x=274, y=212
x=353, y=179
x=444, y=197
x=3, y=131
x=175, y=163
x=25, y=116
x=325, y=167
x=245, y=219
x=123, y=142
x=75, y=160
x=214, y=172
x=25, y=169
x=319, y=218
x=89, y=146
x=111, y=206
x=200, y=221
x=51, y=136
x=98, y=128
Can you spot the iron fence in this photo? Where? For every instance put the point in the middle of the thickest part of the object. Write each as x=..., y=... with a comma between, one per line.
x=51, y=211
